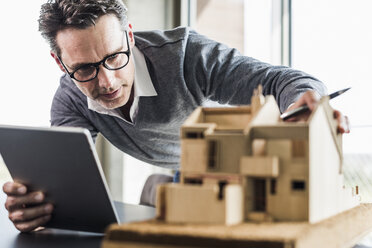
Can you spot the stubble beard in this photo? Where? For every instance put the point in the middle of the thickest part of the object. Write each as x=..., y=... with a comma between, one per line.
x=117, y=102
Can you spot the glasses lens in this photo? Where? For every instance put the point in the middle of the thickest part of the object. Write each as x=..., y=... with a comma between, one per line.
x=85, y=73
x=116, y=61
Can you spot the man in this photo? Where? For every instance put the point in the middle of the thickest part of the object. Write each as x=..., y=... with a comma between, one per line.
x=137, y=89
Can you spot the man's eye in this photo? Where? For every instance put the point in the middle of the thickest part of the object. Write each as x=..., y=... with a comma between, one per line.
x=112, y=58
x=86, y=70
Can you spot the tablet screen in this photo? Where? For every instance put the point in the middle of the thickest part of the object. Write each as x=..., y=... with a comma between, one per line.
x=61, y=162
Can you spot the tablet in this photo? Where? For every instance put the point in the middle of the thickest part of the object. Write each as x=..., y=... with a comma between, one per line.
x=63, y=163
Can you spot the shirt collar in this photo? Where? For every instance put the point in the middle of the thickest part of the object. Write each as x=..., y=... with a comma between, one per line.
x=143, y=87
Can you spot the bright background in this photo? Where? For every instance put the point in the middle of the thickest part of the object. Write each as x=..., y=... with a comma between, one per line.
x=29, y=77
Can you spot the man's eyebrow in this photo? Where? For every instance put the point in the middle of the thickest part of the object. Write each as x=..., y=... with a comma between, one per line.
x=78, y=65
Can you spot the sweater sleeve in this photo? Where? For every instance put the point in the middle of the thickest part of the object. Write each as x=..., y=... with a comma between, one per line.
x=219, y=73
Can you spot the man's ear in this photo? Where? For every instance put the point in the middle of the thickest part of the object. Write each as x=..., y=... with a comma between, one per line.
x=55, y=57
x=131, y=36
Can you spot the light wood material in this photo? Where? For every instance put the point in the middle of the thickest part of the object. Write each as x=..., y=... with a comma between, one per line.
x=257, y=100
x=195, y=117
x=286, y=171
x=259, y=217
x=210, y=178
x=194, y=156
x=326, y=193
x=340, y=231
x=207, y=203
x=281, y=131
x=196, y=130
x=268, y=114
x=255, y=166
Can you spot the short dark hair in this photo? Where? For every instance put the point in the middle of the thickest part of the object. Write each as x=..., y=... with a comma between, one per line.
x=57, y=15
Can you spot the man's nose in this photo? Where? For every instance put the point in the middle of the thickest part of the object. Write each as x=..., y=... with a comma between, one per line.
x=105, y=77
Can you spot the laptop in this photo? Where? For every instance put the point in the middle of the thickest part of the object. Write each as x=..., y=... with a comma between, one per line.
x=63, y=163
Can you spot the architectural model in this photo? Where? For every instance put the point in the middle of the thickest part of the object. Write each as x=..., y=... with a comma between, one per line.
x=242, y=164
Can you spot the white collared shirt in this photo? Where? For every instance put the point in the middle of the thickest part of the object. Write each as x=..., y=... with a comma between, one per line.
x=143, y=86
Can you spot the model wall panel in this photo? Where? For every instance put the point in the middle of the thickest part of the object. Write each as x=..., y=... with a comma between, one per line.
x=324, y=168
x=194, y=155
x=194, y=204
x=230, y=149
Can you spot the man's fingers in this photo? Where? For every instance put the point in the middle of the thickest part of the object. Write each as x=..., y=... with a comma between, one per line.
x=298, y=118
x=347, y=129
x=14, y=188
x=31, y=225
x=31, y=213
x=309, y=98
x=343, y=122
x=13, y=202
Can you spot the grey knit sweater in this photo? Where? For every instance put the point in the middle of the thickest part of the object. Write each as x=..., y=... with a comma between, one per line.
x=186, y=69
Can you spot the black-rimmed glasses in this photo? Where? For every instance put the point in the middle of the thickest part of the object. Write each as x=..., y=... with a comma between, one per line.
x=87, y=72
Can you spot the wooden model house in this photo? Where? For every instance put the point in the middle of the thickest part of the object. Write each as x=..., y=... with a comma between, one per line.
x=245, y=164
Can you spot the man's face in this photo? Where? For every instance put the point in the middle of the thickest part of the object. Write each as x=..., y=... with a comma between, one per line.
x=111, y=88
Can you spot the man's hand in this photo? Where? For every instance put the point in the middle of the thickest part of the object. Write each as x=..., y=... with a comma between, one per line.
x=27, y=210
x=311, y=99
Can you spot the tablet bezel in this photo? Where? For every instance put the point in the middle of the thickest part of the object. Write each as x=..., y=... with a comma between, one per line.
x=27, y=151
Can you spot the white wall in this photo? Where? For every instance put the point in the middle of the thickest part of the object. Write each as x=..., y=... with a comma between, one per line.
x=29, y=77
x=332, y=40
